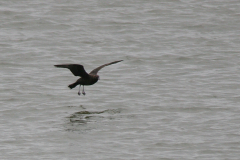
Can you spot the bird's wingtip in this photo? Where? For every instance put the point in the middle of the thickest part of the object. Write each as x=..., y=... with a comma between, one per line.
x=58, y=65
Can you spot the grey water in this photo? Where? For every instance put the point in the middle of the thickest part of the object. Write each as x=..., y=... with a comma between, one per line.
x=175, y=96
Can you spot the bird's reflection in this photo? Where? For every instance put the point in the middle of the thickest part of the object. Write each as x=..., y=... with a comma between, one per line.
x=84, y=117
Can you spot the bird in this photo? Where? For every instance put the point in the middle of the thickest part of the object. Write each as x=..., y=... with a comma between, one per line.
x=85, y=78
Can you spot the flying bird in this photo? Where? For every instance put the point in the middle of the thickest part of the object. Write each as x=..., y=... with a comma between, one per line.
x=86, y=79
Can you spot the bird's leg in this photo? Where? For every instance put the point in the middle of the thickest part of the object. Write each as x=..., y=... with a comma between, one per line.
x=79, y=93
x=83, y=91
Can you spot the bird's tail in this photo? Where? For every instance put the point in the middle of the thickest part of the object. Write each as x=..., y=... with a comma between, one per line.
x=71, y=86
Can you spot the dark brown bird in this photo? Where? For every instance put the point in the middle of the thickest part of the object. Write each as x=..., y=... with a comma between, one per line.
x=86, y=79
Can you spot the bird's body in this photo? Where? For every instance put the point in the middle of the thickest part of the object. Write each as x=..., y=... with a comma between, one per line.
x=86, y=79
x=92, y=79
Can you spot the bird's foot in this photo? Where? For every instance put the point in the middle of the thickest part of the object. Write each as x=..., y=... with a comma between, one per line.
x=79, y=93
x=83, y=93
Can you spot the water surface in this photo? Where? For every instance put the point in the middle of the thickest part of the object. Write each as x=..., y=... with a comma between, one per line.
x=175, y=95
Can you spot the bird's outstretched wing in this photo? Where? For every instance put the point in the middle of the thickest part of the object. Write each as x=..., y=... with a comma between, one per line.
x=76, y=69
x=95, y=71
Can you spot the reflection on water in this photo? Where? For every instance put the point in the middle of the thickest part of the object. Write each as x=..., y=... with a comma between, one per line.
x=84, y=117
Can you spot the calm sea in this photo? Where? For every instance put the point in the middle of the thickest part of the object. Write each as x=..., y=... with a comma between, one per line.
x=176, y=95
